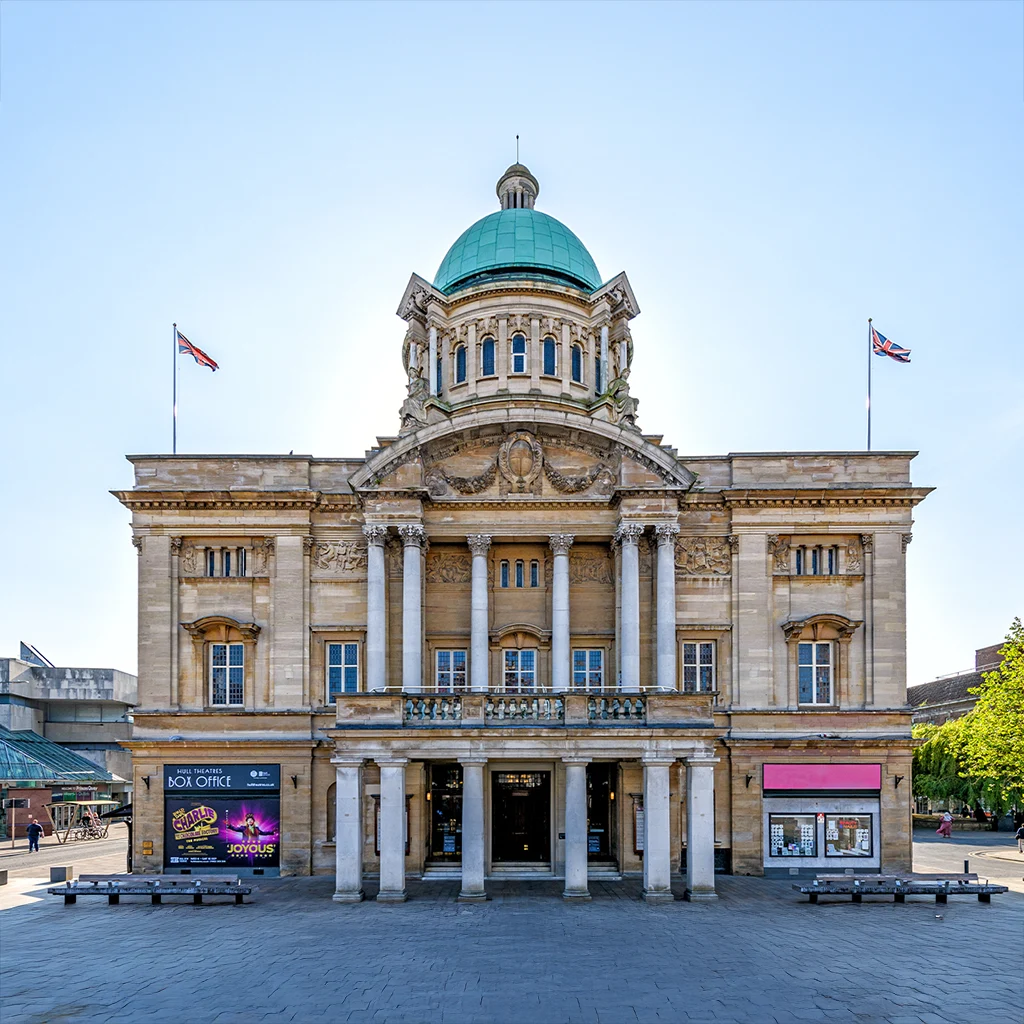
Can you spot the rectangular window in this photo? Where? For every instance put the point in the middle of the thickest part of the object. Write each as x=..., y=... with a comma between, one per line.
x=792, y=835
x=814, y=668
x=587, y=668
x=520, y=671
x=460, y=364
x=504, y=575
x=518, y=354
x=597, y=374
x=440, y=374
x=227, y=667
x=241, y=561
x=535, y=573
x=519, y=574
x=833, y=561
x=226, y=561
x=487, y=357
x=549, y=357
x=342, y=670
x=699, y=666
x=815, y=561
x=211, y=562
x=451, y=671
x=848, y=835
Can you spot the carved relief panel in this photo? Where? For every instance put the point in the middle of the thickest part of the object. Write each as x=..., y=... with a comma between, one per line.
x=703, y=556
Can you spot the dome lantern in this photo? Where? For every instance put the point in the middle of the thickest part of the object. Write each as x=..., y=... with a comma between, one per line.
x=517, y=188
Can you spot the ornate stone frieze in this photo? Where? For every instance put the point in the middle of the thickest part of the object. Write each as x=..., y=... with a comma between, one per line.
x=262, y=549
x=778, y=548
x=854, y=562
x=479, y=544
x=520, y=459
x=561, y=542
x=566, y=484
x=449, y=567
x=189, y=562
x=703, y=556
x=588, y=568
x=340, y=558
x=439, y=481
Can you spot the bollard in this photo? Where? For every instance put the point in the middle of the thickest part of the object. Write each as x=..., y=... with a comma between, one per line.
x=62, y=874
x=967, y=867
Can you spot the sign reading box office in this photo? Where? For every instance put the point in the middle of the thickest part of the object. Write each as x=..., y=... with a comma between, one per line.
x=226, y=816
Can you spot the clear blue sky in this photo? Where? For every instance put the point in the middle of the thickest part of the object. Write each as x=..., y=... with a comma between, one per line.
x=268, y=175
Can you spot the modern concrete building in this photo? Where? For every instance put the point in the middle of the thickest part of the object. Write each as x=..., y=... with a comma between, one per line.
x=522, y=637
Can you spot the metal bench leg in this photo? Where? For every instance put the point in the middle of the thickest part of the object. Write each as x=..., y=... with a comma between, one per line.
x=69, y=898
x=197, y=898
x=899, y=897
x=856, y=897
x=156, y=899
x=940, y=897
x=813, y=897
x=113, y=899
x=238, y=899
x=984, y=897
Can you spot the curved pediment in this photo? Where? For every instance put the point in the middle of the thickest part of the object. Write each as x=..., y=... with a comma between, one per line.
x=544, y=455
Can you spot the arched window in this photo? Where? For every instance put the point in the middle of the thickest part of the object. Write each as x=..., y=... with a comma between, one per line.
x=518, y=353
x=504, y=575
x=440, y=374
x=535, y=573
x=460, y=364
x=519, y=573
x=487, y=357
x=577, y=364
x=549, y=357
x=597, y=374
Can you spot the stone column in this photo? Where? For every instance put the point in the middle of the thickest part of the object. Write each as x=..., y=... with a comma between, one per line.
x=628, y=536
x=412, y=535
x=479, y=625
x=666, y=624
x=657, y=835
x=376, y=680
x=472, y=832
x=576, y=828
x=392, y=830
x=560, y=675
x=700, y=828
x=348, y=832
x=432, y=361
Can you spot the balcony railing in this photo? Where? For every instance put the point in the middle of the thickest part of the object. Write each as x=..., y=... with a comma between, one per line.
x=505, y=710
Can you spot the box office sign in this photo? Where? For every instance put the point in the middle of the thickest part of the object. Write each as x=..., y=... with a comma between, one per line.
x=221, y=778
x=228, y=832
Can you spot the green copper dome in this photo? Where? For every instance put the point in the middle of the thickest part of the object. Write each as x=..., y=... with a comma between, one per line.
x=515, y=241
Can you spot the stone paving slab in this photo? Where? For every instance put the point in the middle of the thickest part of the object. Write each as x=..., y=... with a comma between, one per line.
x=760, y=954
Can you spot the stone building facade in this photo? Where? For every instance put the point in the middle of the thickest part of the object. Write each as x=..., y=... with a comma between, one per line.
x=522, y=637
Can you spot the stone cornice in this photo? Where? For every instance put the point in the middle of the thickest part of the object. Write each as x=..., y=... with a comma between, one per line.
x=839, y=497
x=142, y=501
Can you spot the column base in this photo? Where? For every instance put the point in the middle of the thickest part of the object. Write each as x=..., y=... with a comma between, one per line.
x=659, y=896
x=348, y=897
x=700, y=895
x=473, y=897
x=392, y=896
x=576, y=896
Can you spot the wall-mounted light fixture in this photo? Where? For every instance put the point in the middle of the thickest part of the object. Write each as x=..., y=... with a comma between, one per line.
x=750, y=779
x=295, y=781
x=145, y=779
x=898, y=779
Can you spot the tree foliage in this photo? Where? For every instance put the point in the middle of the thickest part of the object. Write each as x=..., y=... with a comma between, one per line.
x=979, y=758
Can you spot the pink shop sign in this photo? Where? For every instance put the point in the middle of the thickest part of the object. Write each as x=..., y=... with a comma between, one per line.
x=823, y=776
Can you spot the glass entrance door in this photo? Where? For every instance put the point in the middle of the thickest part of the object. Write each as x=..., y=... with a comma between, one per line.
x=521, y=816
x=445, y=810
x=601, y=837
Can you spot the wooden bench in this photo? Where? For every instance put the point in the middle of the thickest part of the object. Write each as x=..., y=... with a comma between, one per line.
x=941, y=886
x=153, y=886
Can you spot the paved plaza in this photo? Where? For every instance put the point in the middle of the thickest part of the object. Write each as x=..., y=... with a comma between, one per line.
x=760, y=954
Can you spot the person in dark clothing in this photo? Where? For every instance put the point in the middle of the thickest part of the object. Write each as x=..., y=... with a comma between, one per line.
x=1020, y=839
x=33, y=830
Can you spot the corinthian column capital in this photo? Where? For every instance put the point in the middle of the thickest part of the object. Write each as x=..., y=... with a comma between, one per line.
x=479, y=543
x=412, y=533
x=629, y=533
x=561, y=542
x=375, y=534
x=666, y=533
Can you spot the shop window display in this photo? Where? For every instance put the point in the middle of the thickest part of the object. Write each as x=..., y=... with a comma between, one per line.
x=848, y=835
x=792, y=835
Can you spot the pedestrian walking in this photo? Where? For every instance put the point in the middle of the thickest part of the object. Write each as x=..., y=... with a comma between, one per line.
x=1020, y=839
x=945, y=828
x=33, y=830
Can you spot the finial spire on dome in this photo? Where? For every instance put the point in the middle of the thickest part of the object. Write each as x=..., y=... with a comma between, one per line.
x=517, y=188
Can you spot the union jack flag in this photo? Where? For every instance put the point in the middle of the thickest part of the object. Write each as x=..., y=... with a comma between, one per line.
x=882, y=346
x=186, y=346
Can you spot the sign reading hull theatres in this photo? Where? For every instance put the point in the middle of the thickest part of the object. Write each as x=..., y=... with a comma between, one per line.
x=221, y=778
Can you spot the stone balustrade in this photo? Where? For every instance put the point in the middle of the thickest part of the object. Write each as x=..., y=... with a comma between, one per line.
x=542, y=709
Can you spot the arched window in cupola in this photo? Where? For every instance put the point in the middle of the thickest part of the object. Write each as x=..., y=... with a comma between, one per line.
x=549, y=357
x=460, y=364
x=577, y=364
x=440, y=374
x=487, y=357
x=519, y=353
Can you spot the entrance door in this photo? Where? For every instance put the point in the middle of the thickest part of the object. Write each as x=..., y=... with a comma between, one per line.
x=601, y=838
x=521, y=806
x=445, y=809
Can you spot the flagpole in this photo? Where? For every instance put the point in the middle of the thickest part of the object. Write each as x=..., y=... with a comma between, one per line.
x=869, y=383
x=174, y=402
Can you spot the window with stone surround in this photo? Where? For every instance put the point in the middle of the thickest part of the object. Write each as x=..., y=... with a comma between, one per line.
x=819, y=653
x=520, y=670
x=816, y=560
x=227, y=675
x=520, y=578
x=487, y=358
x=226, y=562
x=519, y=353
x=698, y=666
x=577, y=364
x=450, y=670
x=814, y=672
x=503, y=575
x=550, y=365
x=460, y=364
x=342, y=669
x=587, y=668
x=535, y=573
